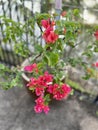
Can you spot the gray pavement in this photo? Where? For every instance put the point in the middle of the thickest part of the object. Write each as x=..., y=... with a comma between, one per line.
x=16, y=113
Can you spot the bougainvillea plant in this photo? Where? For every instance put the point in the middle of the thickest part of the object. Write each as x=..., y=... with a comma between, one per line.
x=58, y=46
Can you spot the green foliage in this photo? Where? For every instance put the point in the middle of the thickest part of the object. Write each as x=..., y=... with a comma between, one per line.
x=39, y=17
x=77, y=86
x=9, y=77
x=53, y=57
x=88, y=53
x=87, y=76
x=38, y=48
x=22, y=49
x=13, y=29
x=2, y=67
x=76, y=12
x=74, y=61
x=47, y=99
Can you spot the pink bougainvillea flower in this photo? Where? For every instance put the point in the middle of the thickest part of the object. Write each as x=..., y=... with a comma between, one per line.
x=63, y=14
x=46, y=109
x=47, y=32
x=39, y=100
x=39, y=91
x=96, y=35
x=41, y=81
x=28, y=68
x=51, y=38
x=32, y=83
x=55, y=87
x=49, y=35
x=45, y=23
x=66, y=89
x=44, y=80
x=38, y=108
x=95, y=64
x=31, y=67
x=48, y=77
x=39, y=105
x=61, y=92
x=50, y=89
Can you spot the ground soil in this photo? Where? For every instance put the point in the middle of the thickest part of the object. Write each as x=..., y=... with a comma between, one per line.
x=78, y=112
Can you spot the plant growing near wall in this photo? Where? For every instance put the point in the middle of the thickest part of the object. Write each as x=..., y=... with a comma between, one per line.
x=50, y=56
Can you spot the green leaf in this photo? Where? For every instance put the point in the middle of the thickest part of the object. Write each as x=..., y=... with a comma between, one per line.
x=2, y=67
x=87, y=76
x=54, y=57
x=88, y=53
x=13, y=83
x=38, y=48
x=51, y=58
x=31, y=88
x=47, y=98
x=76, y=12
x=96, y=49
x=74, y=61
x=60, y=47
x=40, y=65
x=46, y=59
x=40, y=17
x=89, y=47
x=22, y=49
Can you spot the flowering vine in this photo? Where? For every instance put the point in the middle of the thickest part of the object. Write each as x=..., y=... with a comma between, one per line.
x=56, y=48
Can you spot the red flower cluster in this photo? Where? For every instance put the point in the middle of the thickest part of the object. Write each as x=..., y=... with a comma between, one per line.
x=40, y=106
x=44, y=84
x=32, y=67
x=41, y=83
x=59, y=92
x=49, y=35
x=96, y=35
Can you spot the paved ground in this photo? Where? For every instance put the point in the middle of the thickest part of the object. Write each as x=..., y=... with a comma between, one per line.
x=16, y=113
